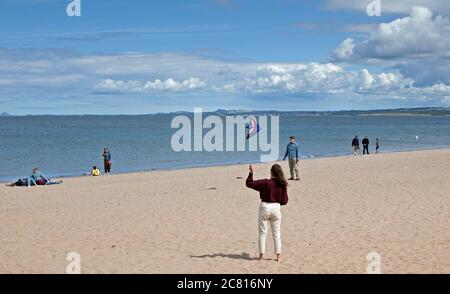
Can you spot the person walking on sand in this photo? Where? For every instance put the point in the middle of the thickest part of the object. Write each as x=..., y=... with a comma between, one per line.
x=273, y=194
x=292, y=154
x=365, y=143
x=107, y=161
x=377, y=146
x=355, y=145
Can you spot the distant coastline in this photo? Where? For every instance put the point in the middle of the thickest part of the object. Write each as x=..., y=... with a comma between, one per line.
x=419, y=111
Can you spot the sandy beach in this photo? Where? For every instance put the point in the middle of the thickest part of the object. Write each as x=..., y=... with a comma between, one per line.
x=204, y=220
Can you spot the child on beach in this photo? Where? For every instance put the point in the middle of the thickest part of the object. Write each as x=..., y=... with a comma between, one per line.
x=95, y=171
x=273, y=194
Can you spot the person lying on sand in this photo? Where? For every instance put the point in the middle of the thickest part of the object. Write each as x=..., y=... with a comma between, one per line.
x=41, y=179
x=36, y=179
x=21, y=183
x=273, y=194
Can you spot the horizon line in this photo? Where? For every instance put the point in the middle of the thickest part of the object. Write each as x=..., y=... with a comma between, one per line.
x=6, y=114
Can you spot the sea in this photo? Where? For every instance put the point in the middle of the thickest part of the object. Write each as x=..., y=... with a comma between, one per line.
x=63, y=146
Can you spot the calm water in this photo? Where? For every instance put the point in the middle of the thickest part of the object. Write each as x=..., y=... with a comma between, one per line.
x=71, y=145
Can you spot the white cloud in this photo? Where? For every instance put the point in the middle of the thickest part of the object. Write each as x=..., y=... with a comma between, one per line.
x=417, y=45
x=381, y=82
x=171, y=85
x=365, y=79
x=60, y=74
x=415, y=35
x=318, y=78
x=389, y=6
x=295, y=78
x=345, y=49
x=436, y=89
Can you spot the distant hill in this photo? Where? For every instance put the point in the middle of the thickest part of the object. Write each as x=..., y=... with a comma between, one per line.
x=423, y=111
x=394, y=112
x=401, y=111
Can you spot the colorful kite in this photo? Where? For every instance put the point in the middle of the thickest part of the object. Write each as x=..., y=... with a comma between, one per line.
x=253, y=128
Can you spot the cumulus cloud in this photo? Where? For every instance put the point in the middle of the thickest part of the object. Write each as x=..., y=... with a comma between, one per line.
x=381, y=82
x=58, y=74
x=417, y=45
x=436, y=89
x=171, y=85
x=413, y=35
x=317, y=78
x=345, y=50
x=296, y=78
x=416, y=34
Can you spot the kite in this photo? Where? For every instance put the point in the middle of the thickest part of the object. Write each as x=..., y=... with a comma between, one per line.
x=253, y=128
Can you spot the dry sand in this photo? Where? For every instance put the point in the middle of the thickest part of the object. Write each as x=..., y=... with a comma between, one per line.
x=204, y=220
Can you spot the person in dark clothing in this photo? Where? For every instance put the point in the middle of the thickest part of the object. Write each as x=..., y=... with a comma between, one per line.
x=365, y=143
x=273, y=194
x=377, y=146
x=355, y=145
x=107, y=161
x=20, y=183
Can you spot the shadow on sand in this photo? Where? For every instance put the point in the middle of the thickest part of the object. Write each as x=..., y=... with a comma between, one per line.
x=242, y=256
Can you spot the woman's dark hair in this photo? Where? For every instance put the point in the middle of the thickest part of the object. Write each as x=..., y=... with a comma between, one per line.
x=278, y=176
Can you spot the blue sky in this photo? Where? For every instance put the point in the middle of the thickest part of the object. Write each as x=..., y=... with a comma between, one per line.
x=157, y=56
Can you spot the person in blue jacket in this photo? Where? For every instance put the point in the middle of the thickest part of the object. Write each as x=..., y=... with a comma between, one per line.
x=292, y=154
x=37, y=178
